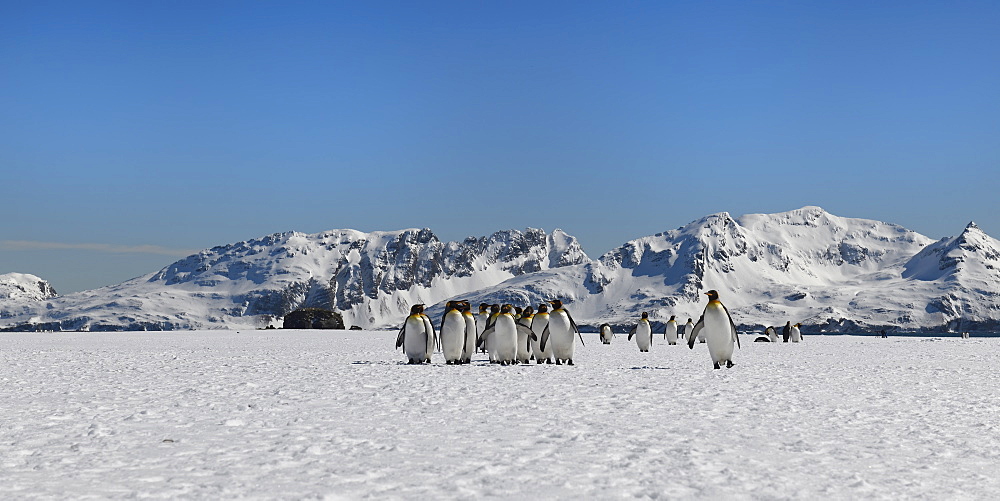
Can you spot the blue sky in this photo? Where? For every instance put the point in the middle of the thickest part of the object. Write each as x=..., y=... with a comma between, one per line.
x=132, y=133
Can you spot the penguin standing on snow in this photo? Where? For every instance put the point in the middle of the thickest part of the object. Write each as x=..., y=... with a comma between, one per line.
x=415, y=336
x=688, y=328
x=523, y=340
x=796, y=333
x=505, y=331
x=470, y=331
x=719, y=331
x=452, y=333
x=487, y=343
x=670, y=331
x=560, y=333
x=606, y=333
x=539, y=321
x=481, y=319
x=772, y=334
x=643, y=333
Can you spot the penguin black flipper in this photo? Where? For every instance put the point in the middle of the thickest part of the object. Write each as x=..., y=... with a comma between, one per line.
x=545, y=338
x=523, y=329
x=732, y=327
x=482, y=339
x=632, y=332
x=399, y=338
x=693, y=338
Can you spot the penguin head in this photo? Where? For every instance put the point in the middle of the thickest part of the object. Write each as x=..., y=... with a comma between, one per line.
x=483, y=307
x=713, y=295
x=690, y=320
x=416, y=309
x=556, y=304
x=518, y=310
x=527, y=311
x=543, y=308
x=506, y=308
x=495, y=308
x=450, y=305
x=645, y=315
x=673, y=317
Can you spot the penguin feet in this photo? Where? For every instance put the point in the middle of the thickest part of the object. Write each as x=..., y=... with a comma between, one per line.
x=729, y=364
x=716, y=365
x=569, y=362
x=558, y=362
x=539, y=361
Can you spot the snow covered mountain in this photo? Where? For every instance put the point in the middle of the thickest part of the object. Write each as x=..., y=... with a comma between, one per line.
x=24, y=287
x=371, y=278
x=831, y=273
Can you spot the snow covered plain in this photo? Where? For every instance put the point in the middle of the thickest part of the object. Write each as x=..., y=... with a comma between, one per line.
x=336, y=415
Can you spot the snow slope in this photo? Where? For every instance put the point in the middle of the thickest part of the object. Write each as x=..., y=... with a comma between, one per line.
x=335, y=415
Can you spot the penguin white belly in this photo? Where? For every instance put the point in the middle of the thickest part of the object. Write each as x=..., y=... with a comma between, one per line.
x=523, y=345
x=688, y=328
x=671, y=332
x=453, y=336
x=538, y=324
x=643, y=336
x=415, y=339
x=470, y=337
x=606, y=335
x=561, y=336
x=796, y=334
x=505, y=338
x=718, y=333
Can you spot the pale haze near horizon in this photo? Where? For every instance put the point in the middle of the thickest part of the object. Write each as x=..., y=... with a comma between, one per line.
x=133, y=134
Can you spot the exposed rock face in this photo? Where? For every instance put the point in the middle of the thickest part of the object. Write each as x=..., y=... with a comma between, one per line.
x=24, y=287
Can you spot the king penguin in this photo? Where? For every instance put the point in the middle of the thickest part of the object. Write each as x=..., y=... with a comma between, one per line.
x=432, y=340
x=415, y=337
x=772, y=334
x=539, y=321
x=796, y=334
x=670, y=331
x=560, y=332
x=504, y=331
x=719, y=331
x=523, y=340
x=486, y=342
x=606, y=333
x=452, y=333
x=481, y=319
x=470, y=332
x=688, y=328
x=643, y=333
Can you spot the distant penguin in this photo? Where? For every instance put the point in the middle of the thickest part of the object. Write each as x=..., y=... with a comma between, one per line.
x=481, y=318
x=452, y=333
x=718, y=329
x=504, y=331
x=688, y=328
x=471, y=333
x=643, y=333
x=433, y=340
x=606, y=333
x=539, y=321
x=523, y=342
x=414, y=336
x=772, y=334
x=796, y=334
x=487, y=343
x=670, y=331
x=786, y=331
x=560, y=332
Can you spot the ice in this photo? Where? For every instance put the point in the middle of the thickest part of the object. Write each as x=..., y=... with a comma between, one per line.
x=337, y=415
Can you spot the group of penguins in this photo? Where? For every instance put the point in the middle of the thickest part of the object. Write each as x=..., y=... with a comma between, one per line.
x=509, y=336
x=512, y=336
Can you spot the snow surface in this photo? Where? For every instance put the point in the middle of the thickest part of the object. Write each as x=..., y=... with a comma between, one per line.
x=335, y=415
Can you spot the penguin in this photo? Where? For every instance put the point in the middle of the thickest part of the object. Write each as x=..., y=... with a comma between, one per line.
x=719, y=330
x=505, y=331
x=452, y=333
x=523, y=342
x=688, y=328
x=414, y=336
x=471, y=333
x=539, y=321
x=433, y=340
x=643, y=333
x=786, y=331
x=772, y=334
x=606, y=333
x=481, y=318
x=559, y=332
x=796, y=334
x=670, y=331
x=488, y=344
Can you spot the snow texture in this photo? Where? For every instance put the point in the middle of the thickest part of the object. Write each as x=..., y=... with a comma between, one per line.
x=336, y=415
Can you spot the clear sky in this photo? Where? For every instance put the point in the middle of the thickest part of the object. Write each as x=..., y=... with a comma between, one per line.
x=133, y=133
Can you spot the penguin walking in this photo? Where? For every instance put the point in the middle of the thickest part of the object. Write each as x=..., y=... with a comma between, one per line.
x=719, y=330
x=643, y=333
x=796, y=333
x=504, y=332
x=772, y=334
x=670, y=331
x=539, y=321
x=415, y=336
x=471, y=333
x=452, y=333
x=606, y=333
x=688, y=328
x=560, y=332
x=523, y=341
